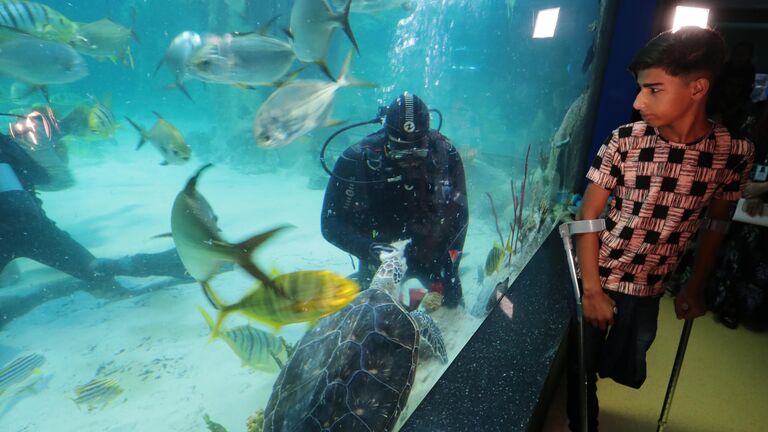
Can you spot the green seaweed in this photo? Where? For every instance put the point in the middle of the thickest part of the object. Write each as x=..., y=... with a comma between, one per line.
x=212, y=425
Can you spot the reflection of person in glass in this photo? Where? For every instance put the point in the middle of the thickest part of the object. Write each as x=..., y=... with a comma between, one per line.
x=404, y=181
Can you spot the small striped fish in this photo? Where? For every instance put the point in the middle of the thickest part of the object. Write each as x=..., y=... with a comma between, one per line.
x=101, y=121
x=255, y=348
x=98, y=392
x=303, y=296
x=493, y=260
x=36, y=20
x=19, y=370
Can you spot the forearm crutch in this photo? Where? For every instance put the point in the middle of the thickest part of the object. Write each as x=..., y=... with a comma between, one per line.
x=681, y=346
x=567, y=230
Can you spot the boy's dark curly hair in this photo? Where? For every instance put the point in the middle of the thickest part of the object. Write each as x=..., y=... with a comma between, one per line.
x=689, y=50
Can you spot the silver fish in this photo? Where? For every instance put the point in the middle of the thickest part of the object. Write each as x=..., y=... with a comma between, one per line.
x=176, y=56
x=198, y=240
x=18, y=371
x=311, y=27
x=241, y=59
x=40, y=62
x=299, y=107
x=167, y=139
x=105, y=39
x=97, y=393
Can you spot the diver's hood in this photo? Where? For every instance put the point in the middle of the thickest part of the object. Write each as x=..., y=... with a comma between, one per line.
x=407, y=120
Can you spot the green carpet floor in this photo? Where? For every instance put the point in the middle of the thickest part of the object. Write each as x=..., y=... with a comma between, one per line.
x=723, y=385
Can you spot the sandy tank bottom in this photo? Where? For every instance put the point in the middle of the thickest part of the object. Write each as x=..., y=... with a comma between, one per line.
x=156, y=344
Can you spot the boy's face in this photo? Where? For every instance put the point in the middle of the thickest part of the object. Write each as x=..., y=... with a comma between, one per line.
x=665, y=99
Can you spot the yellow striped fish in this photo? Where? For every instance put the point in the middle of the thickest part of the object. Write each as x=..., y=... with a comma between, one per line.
x=301, y=296
x=256, y=348
x=17, y=372
x=90, y=122
x=35, y=20
x=97, y=393
x=101, y=121
x=493, y=260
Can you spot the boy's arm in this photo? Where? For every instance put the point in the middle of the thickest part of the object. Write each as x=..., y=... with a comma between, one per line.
x=598, y=306
x=689, y=302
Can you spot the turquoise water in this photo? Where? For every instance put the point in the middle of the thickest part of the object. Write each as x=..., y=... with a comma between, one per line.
x=498, y=90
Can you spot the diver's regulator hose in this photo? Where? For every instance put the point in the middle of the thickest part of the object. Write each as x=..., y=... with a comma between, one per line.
x=378, y=119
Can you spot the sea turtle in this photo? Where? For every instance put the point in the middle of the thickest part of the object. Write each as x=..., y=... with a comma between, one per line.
x=354, y=370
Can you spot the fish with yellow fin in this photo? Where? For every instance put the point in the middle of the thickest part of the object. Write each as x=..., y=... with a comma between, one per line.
x=90, y=121
x=496, y=256
x=20, y=373
x=303, y=296
x=97, y=393
x=106, y=39
x=198, y=240
x=35, y=19
x=255, y=348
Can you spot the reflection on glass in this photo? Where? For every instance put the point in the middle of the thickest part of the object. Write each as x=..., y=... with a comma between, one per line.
x=453, y=138
x=546, y=23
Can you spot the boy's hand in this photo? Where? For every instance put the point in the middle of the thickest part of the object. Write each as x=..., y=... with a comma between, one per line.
x=689, y=306
x=598, y=308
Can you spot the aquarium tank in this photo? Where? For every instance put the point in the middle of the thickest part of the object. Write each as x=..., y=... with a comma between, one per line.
x=272, y=215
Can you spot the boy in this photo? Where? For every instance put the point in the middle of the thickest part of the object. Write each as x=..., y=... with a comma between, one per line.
x=664, y=173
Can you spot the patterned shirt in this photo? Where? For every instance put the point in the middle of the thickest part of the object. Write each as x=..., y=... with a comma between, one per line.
x=661, y=190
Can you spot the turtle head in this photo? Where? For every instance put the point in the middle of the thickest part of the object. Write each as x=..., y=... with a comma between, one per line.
x=394, y=251
x=393, y=265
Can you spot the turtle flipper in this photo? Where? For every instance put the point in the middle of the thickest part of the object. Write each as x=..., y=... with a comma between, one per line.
x=431, y=337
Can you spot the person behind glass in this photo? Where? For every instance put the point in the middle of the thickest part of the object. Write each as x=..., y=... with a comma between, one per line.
x=26, y=231
x=405, y=181
x=664, y=172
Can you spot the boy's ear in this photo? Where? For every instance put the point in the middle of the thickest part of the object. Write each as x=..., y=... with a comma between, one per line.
x=700, y=87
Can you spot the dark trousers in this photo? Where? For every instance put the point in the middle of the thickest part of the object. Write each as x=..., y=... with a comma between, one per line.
x=617, y=353
x=25, y=231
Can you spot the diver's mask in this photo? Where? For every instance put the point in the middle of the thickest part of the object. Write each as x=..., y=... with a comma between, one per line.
x=398, y=150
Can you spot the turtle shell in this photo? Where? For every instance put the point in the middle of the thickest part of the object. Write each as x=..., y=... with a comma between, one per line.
x=352, y=372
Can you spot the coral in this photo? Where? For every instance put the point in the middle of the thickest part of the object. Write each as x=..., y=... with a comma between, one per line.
x=432, y=301
x=495, y=217
x=256, y=422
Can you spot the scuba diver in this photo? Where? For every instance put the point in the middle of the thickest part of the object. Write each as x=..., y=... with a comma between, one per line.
x=404, y=181
x=26, y=231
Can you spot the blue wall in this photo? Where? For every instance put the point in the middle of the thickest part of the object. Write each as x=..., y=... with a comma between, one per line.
x=634, y=24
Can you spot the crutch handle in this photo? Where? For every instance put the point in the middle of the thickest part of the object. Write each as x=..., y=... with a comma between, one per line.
x=581, y=227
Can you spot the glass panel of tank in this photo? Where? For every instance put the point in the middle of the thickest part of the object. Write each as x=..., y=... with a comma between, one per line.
x=175, y=254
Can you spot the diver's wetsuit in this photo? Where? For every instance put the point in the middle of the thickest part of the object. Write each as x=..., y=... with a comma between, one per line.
x=26, y=231
x=428, y=205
